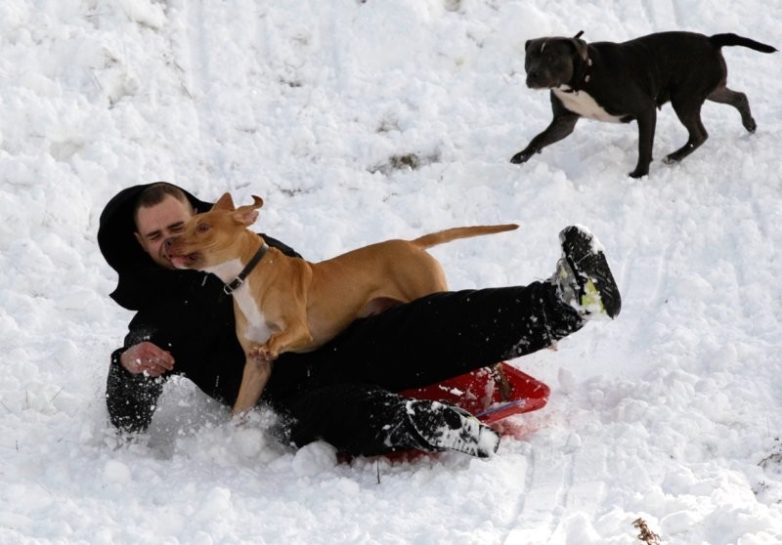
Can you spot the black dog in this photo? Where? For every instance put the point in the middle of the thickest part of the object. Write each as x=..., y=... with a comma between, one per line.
x=624, y=81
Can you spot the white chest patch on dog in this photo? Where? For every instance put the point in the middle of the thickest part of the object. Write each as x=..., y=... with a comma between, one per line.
x=226, y=271
x=582, y=103
x=256, y=330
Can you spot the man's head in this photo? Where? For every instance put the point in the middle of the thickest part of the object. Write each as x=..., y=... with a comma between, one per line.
x=160, y=213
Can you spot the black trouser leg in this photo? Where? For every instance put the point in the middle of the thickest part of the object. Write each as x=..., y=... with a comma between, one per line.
x=357, y=419
x=416, y=344
x=433, y=338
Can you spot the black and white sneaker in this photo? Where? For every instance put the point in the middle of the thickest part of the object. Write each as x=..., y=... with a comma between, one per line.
x=583, y=276
x=446, y=427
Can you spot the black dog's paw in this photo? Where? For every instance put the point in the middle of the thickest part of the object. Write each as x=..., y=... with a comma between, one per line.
x=750, y=125
x=639, y=172
x=521, y=157
x=675, y=157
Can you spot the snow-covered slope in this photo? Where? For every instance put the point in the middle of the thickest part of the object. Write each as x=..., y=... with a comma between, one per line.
x=671, y=413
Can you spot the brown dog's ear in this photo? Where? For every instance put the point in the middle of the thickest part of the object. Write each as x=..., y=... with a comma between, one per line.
x=224, y=203
x=247, y=214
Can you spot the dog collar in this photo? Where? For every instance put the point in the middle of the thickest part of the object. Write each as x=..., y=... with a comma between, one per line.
x=587, y=71
x=234, y=284
x=565, y=88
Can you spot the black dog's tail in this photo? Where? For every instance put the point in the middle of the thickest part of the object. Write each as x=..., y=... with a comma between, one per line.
x=720, y=40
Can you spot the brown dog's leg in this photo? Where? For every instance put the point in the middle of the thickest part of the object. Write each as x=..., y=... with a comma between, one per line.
x=723, y=95
x=254, y=378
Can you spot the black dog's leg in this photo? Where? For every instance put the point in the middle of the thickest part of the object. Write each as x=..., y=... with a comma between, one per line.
x=723, y=95
x=647, y=121
x=689, y=113
x=561, y=126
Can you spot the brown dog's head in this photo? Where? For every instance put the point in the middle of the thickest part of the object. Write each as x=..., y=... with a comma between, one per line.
x=212, y=238
x=551, y=62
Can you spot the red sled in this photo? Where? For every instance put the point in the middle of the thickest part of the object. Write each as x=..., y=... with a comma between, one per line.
x=491, y=394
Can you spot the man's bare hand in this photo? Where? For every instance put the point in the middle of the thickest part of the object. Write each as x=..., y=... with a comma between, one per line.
x=148, y=358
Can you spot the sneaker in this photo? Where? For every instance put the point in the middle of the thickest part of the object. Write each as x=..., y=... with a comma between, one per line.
x=445, y=427
x=583, y=277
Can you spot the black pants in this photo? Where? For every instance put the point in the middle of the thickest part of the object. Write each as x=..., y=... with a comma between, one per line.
x=344, y=391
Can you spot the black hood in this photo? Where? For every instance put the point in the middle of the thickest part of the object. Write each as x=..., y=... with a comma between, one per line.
x=141, y=280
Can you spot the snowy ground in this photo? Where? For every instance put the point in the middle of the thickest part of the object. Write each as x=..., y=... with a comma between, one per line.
x=671, y=413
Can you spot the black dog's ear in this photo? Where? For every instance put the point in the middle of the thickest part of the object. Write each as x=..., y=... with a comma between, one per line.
x=526, y=44
x=580, y=46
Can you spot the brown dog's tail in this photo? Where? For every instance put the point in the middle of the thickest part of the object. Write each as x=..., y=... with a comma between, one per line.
x=721, y=40
x=440, y=237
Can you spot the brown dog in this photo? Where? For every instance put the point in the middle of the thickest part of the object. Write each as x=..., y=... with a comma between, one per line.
x=284, y=304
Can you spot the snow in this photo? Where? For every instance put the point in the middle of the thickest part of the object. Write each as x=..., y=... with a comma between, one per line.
x=671, y=413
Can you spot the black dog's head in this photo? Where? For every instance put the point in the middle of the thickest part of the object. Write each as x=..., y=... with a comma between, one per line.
x=551, y=62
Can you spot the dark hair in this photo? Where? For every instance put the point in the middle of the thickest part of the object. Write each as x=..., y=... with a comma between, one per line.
x=155, y=193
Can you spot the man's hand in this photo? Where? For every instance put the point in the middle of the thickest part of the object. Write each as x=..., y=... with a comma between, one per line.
x=148, y=358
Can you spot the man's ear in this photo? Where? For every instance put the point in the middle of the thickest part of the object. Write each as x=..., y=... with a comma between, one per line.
x=246, y=215
x=224, y=203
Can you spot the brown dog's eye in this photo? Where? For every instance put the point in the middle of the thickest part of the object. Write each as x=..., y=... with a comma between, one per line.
x=203, y=227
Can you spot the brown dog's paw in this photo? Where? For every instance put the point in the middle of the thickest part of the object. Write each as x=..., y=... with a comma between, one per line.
x=261, y=352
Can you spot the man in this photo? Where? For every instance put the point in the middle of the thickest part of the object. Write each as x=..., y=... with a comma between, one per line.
x=344, y=392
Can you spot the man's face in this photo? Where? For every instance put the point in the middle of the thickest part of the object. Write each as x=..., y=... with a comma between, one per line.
x=156, y=223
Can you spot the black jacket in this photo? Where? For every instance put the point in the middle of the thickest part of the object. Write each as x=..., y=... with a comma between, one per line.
x=184, y=312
